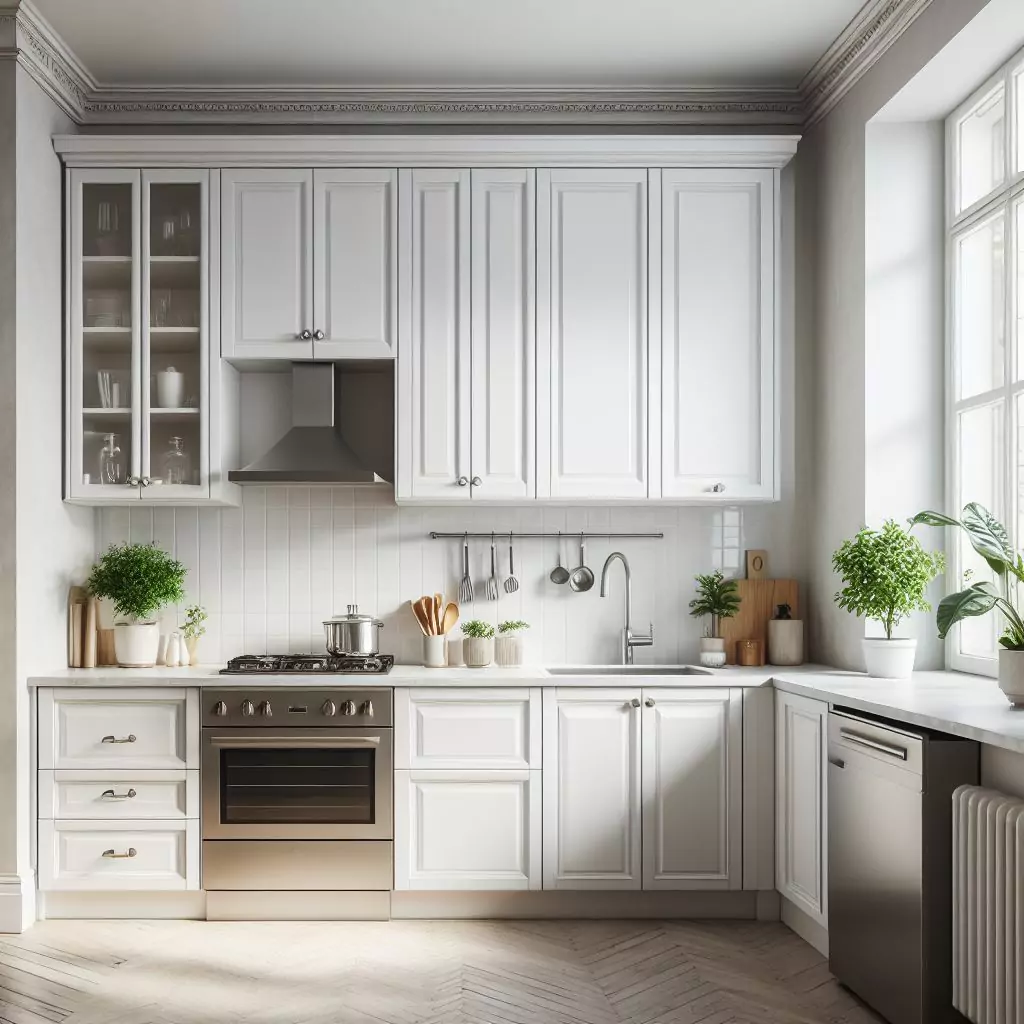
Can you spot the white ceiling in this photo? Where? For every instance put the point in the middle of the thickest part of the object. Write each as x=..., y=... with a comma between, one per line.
x=374, y=43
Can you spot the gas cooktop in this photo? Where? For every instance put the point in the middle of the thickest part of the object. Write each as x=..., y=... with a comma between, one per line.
x=308, y=664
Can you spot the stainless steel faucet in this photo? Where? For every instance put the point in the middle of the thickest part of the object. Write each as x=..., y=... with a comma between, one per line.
x=629, y=638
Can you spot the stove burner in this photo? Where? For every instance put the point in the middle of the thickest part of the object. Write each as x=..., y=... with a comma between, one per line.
x=308, y=664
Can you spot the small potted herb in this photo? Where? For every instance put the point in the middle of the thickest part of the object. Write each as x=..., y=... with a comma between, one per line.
x=138, y=580
x=478, y=645
x=885, y=575
x=508, y=648
x=193, y=629
x=717, y=598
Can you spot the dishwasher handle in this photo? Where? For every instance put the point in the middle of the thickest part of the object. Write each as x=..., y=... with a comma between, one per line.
x=889, y=749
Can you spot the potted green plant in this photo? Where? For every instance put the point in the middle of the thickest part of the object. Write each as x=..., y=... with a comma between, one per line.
x=193, y=630
x=989, y=538
x=478, y=645
x=138, y=580
x=717, y=598
x=885, y=574
x=508, y=647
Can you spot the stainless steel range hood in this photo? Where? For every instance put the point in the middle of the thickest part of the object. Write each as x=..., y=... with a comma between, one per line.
x=313, y=451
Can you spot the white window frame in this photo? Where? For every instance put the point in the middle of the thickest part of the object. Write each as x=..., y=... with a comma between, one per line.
x=1003, y=201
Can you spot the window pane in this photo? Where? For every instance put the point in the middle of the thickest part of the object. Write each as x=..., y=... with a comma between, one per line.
x=981, y=145
x=1018, y=284
x=1018, y=81
x=981, y=460
x=979, y=303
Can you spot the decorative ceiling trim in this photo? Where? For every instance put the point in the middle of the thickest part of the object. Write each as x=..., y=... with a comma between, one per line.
x=26, y=36
x=859, y=46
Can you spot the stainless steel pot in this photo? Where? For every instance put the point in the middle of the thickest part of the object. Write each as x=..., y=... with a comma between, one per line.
x=352, y=634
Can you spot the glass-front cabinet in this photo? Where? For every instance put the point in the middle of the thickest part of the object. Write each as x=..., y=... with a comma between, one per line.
x=138, y=335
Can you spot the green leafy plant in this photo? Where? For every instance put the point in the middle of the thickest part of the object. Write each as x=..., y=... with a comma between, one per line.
x=195, y=616
x=716, y=597
x=989, y=538
x=478, y=630
x=512, y=626
x=886, y=573
x=138, y=579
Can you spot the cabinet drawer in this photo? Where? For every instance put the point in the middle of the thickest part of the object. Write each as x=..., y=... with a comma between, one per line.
x=119, y=729
x=118, y=855
x=467, y=729
x=119, y=795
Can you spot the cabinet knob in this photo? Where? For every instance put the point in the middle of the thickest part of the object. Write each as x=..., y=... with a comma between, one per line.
x=649, y=702
x=718, y=488
x=220, y=709
x=305, y=335
x=319, y=335
x=146, y=481
x=476, y=481
x=266, y=710
x=248, y=709
x=463, y=481
x=329, y=708
x=635, y=702
x=348, y=708
x=132, y=481
x=367, y=709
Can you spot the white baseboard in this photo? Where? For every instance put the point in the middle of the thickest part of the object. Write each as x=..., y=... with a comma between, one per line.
x=298, y=906
x=17, y=903
x=805, y=926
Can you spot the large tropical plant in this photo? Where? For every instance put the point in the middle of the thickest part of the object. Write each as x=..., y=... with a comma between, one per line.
x=717, y=598
x=989, y=538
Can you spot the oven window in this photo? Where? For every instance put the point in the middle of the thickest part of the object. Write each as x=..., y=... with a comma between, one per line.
x=317, y=786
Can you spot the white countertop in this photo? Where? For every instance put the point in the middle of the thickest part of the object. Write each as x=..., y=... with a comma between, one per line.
x=964, y=705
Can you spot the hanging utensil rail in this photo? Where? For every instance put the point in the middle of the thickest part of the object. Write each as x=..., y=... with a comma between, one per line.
x=544, y=535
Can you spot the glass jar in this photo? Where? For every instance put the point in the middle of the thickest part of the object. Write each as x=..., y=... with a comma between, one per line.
x=176, y=463
x=111, y=461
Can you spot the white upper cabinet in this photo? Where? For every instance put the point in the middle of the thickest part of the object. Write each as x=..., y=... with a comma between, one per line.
x=267, y=264
x=355, y=263
x=592, y=422
x=717, y=378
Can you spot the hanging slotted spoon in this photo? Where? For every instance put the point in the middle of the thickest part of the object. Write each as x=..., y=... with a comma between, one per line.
x=466, y=583
x=492, y=580
x=511, y=583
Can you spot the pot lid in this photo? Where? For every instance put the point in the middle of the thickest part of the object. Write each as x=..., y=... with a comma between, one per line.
x=353, y=615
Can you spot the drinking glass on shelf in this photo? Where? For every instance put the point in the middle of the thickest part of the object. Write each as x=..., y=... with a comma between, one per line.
x=186, y=233
x=160, y=313
x=108, y=218
x=176, y=463
x=111, y=461
x=167, y=236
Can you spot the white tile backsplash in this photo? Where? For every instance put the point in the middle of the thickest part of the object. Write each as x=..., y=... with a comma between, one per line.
x=269, y=572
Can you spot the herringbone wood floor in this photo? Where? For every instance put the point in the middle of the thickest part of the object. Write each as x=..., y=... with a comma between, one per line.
x=488, y=972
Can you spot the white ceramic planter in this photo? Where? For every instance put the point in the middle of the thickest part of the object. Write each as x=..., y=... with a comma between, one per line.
x=478, y=652
x=508, y=651
x=712, y=651
x=786, y=642
x=433, y=652
x=136, y=644
x=1011, y=676
x=889, y=659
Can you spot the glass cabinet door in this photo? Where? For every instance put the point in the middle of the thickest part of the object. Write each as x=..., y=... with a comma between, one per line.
x=103, y=322
x=174, y=365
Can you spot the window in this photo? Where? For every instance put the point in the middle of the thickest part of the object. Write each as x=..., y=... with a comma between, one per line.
x=985, y=317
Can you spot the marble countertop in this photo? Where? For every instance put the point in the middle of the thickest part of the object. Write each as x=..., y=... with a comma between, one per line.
x=970, y=706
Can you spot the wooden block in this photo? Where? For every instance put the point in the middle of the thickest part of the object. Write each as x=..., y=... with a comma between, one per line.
x=77, y=598
x=757, y=565
x=758, y=599
x=105, y=647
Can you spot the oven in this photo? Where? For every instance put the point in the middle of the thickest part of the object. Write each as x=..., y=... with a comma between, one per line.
x=297, y=789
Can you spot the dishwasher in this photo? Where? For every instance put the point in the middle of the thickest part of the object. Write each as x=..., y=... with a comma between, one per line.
x=890, y=844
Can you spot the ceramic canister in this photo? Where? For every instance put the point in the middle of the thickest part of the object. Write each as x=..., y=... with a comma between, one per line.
x=170, y=389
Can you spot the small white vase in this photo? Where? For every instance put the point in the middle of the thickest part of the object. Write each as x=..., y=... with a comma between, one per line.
x=712, y=651
x=508, y=651
x=786, y=642
x=136, y=644
x=455, y=652
x=889, y=659
x=433, y=652
x=1011, y=676
x=478, y=651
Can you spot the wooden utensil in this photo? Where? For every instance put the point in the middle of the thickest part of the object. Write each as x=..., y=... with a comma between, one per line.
x=421, y=616
x=451, y=616
x=438, y=613
x=758, y=599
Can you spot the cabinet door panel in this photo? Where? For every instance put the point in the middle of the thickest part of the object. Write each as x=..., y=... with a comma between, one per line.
x=801, y=773
x=591, y=790
x=355, y=263
x=504, y=406
x=266, y=263
x=434, y=359
x=692, y=786
x=718, y=318
x=592, y=334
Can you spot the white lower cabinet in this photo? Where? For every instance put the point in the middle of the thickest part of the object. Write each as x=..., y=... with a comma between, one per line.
x=118, y=795
x=801, y=865
x=467, y=830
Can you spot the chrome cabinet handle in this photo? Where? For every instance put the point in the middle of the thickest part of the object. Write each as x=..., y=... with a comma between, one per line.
x=866, y=741
x=635, y=702
x=367, y=709
x=130, y=738
x=132, y=852
x=319, y=335
x=718, y=488
x=266, y=710
x=476, y=481
x=146, y=481
x=109, y=794
x=838, y=762
x=649, y=702
x=132, y=481
x=305, y=335
x=462, y=481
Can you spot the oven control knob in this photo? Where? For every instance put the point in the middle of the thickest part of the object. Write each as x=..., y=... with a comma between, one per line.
x=367, y=709
x=266, y=710
x=247, y=708
x=329, y=708
x=348, y=708
x=220, y=709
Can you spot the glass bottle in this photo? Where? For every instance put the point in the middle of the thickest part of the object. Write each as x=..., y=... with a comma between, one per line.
x=111, y=464
x=177, y=464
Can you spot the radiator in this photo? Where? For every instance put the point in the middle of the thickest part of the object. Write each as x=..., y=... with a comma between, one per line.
x=988, y=906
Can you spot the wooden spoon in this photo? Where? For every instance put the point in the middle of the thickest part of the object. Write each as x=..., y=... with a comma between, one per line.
x=427, y=605
x=438, y=616
x=451, y=616
x=421, y=618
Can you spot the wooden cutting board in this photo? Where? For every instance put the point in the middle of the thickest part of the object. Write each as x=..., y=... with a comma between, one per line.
x=758, y=601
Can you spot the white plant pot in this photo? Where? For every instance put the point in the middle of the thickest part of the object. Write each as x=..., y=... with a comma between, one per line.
x=478, y=652
x=889, y=659
x=1011, y=676
x=508, y=651
x=136, y=644
x=712, y=651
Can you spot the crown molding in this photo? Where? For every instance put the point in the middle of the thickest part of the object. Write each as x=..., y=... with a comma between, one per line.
x=858, y=47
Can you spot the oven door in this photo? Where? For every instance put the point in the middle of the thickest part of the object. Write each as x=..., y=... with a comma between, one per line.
x=297, y=783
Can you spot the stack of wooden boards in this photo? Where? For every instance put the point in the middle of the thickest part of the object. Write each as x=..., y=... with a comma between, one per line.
x=89, y=645
x=758, y=601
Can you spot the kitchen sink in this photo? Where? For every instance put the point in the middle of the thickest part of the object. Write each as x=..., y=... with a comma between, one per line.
x=629, y=670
